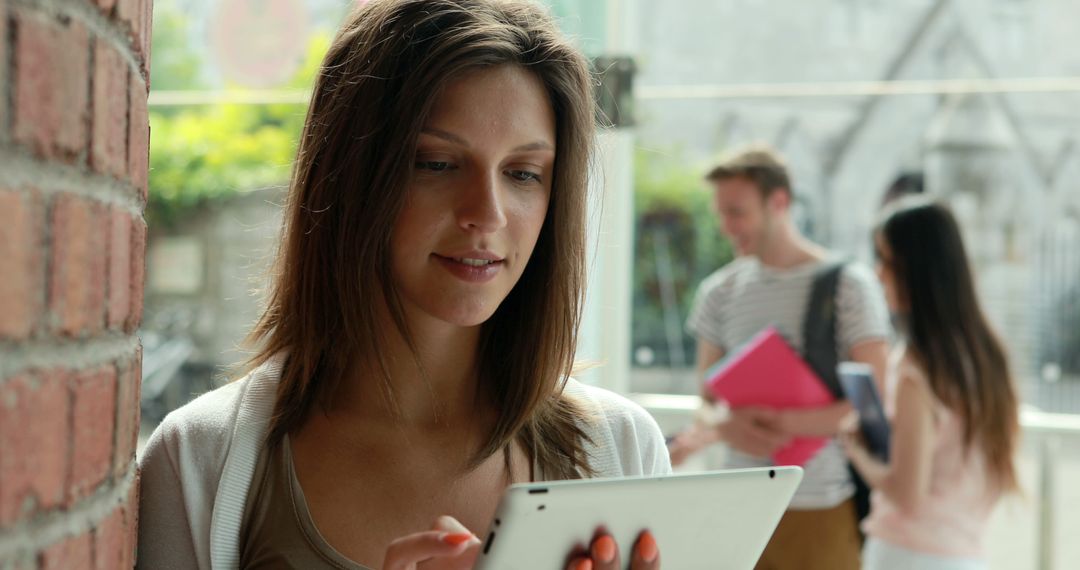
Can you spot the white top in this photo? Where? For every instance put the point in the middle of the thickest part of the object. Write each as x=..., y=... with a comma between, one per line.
x=198, y=465
x=953, y=520
x=740, y=299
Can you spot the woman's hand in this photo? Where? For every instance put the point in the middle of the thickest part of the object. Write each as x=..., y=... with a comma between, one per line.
x=851, y=438
x=603, y=554
x=448, y=546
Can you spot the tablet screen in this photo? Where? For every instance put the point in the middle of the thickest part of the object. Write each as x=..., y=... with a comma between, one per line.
x=857, y=381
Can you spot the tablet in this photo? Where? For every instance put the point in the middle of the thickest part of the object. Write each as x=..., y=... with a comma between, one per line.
x=710, y=520
x=857, y=382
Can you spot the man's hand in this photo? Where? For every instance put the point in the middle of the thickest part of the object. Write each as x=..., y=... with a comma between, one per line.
x=754, y=431
x=690, y=441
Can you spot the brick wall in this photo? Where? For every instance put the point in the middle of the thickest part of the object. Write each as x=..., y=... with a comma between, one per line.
x=74, y=144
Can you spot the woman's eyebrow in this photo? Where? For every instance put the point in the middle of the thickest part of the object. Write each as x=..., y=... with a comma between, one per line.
x=451, y=137
x=445, y=135
x=538, y=145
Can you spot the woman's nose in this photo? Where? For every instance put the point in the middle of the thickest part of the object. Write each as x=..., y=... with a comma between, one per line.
x=480, y=205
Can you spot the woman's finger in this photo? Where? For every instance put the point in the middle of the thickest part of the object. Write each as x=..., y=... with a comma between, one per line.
x=408, y=551
x=604, y=553
x=580, y=563
x=850, y=422
x=646, y=553
x=447, y=523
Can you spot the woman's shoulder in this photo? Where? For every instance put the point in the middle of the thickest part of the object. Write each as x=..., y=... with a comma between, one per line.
x=187, y=461
x=625, y=439
x=207, y=423
x=616, y=410
x=909, y=370
x=912, y=384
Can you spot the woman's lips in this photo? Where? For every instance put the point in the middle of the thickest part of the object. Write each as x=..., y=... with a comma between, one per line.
x=471, y=269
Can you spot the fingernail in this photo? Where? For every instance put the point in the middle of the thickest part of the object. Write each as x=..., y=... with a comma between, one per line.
x=604, y=548
x=457, y=538
x=583, y=564
x=646, y=547
x=450, y=524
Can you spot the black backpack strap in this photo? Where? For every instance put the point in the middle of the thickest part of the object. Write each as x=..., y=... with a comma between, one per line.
x=821, y=353
x=819, y=327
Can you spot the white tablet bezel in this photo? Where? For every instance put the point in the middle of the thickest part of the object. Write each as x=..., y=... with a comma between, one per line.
x=711, y=520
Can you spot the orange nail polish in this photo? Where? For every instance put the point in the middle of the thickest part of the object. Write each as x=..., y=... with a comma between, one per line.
x=583, y=564
x=457, y=538
x=646, y=547
x=604, y=548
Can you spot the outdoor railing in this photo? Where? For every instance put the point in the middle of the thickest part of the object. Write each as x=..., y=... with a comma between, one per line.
x=1045, y=430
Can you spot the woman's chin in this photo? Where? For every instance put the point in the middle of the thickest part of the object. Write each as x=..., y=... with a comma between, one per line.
x=464, y=317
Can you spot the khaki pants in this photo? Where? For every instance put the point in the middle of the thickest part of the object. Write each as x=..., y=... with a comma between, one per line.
x=826, y=539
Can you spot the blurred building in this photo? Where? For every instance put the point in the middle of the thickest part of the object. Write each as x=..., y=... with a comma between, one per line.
x=206, y=280
x=714, y=75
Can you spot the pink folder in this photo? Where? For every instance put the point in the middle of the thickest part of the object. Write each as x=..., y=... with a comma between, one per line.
x=766, y=372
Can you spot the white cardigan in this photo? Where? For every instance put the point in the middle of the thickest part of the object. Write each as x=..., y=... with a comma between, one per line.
x=198, y=465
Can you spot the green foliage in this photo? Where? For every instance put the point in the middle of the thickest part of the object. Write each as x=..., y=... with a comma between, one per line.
x=174, y=66
x=201, y=154
x=672, y=208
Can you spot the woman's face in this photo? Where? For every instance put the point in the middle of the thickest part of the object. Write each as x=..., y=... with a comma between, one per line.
x=886, y=274
x=477, y=197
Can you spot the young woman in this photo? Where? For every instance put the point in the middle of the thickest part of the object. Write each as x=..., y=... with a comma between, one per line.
x=414, y=354
x=950, y=398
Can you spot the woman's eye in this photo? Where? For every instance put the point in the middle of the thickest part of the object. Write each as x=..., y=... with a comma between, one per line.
x=524, y=176
x=433, y=165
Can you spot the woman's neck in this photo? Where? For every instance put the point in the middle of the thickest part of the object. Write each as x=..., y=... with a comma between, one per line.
x=437, y=384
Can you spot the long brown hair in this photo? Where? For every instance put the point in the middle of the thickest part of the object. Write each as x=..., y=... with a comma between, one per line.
x=332, y=279
x=949, y=335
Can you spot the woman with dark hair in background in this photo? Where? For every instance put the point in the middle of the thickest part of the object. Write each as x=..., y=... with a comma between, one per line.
x=905, y=184
x=413, y=359
x=950, y=398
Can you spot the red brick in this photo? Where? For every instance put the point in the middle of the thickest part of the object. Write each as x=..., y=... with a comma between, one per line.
x=131, y=513
x=20, y=259
x=126, y=12
x=111, y=542
x=77, y=292
x=94, y=418
x=138, y=135
x=146, y=35
x=138, y=273
x=69, y=554
x=34, y=444
x=127, y=417
x=27, y=562
x=136, y=14
x=120, y=236
x=51, y=85
x=108, y=144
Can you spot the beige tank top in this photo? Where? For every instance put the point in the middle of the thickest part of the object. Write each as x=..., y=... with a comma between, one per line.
x=278, y=531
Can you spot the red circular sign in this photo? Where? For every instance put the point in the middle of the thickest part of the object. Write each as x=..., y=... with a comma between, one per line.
x=259, y=43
